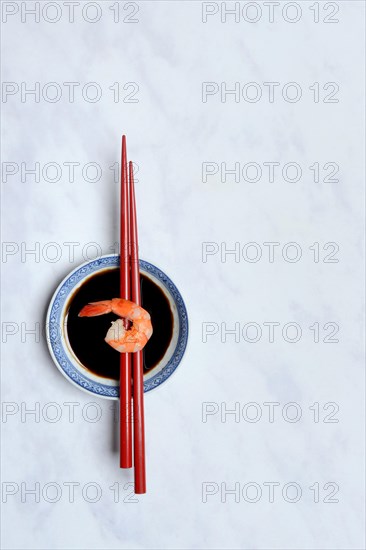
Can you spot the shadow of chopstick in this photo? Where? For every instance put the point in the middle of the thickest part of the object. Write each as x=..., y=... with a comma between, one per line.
x=115, y=428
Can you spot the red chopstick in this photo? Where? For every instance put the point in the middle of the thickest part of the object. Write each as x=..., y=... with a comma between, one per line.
x=125, y=358
x=137, y=357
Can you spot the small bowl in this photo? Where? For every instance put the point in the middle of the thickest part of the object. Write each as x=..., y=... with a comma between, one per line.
x=63, y=355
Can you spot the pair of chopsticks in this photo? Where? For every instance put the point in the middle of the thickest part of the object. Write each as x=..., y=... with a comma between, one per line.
x=130, y=290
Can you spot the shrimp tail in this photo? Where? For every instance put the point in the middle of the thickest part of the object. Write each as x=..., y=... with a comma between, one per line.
x=96, y=308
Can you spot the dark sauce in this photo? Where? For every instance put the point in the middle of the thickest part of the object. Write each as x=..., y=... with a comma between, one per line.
x=86, y=334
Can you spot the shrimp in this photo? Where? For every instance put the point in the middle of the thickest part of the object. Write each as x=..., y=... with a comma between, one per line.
x=121, y=339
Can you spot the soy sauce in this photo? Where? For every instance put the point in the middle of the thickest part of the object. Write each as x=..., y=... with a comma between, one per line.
x=86, y=334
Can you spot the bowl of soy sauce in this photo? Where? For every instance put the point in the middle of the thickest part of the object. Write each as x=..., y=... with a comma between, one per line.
x=77, y=344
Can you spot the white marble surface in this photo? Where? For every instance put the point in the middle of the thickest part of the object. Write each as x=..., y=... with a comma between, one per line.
x=171, y=132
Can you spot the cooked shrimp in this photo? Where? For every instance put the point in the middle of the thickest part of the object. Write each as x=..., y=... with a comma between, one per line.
x=121, y=339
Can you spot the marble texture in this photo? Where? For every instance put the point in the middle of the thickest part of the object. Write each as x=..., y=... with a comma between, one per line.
x=169, y=53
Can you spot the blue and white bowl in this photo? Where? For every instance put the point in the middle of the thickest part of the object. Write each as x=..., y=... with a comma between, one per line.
x=60, y=348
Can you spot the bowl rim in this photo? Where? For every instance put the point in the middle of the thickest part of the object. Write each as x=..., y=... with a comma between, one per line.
x=101, y=262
